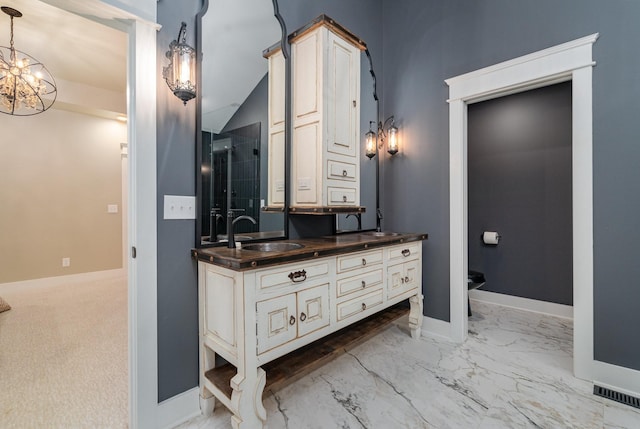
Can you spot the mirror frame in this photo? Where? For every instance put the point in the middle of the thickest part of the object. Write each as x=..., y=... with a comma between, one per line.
x=284, y=45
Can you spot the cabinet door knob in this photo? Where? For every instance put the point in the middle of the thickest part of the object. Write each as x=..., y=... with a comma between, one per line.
x=344, y=173
x=303, y=317
x=355, y=103
x=364, y=262
x=292, y=320
x=406, y=252
x=344, y=198
x=402, y=280
x=407, y=279
x=364, y=306
x=364, y=284
x=298, y=276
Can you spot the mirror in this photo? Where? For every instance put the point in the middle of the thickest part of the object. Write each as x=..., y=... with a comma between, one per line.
x=233, y=148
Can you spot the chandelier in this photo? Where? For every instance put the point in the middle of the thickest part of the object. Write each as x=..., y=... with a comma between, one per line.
x=26, y=86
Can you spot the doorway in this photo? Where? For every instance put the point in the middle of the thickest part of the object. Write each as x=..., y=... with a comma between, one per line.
x=570, y=61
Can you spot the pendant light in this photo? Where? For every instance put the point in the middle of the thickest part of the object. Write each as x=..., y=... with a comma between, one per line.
x=26, y=86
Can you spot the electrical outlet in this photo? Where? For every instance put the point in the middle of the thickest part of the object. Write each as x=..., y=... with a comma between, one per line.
x=179, y=207
x=112, y=208
x=66, y=262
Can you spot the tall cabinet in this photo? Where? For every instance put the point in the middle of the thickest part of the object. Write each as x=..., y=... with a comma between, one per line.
x=326, y=115
x=276, y=127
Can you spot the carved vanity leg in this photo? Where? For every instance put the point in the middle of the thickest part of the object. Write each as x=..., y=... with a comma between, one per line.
x=415, y=315
x=247, y=399
x=207, y=362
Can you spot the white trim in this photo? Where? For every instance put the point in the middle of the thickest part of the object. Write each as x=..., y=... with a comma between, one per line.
x=436, y=328
x=618, y=378
x=569, y=61
x=62, y=280
x=527, y=304
x=180, y=408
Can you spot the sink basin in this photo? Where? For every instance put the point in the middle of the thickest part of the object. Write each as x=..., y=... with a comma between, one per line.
x=272, y=247
x=381, y=233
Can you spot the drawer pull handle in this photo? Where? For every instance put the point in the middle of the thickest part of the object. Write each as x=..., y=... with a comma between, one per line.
x=292, y=320
x=364, y=306
x=303, y=317
x=364, y=262
x=364, y=284
x=407, y=279
x=406, y=252
x=344, y=198
x=344, y=173
x=298, y=276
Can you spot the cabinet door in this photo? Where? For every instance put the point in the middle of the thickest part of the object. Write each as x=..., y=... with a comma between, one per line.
x=313, y=309
x=344, y=96
x=402, y=278
x=276, y=321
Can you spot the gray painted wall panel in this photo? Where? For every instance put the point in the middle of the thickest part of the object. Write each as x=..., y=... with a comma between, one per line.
x=519, y=175
x=177, y=273
x=426, y=42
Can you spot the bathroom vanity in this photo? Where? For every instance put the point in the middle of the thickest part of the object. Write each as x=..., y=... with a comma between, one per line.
x=262, y=304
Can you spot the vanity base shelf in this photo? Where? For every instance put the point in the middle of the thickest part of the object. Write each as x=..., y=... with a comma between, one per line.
x=295, y=365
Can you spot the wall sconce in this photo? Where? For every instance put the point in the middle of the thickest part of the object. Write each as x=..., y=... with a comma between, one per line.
x=371, y=149
x=180, y=74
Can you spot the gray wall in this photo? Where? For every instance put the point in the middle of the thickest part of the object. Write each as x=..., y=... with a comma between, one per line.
x=426, y=42
x=177, y=276
x=519, y=175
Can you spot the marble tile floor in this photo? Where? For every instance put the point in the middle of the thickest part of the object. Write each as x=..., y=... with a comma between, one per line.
x=514, y=371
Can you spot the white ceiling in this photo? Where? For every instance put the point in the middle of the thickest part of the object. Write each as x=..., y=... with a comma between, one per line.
x=72, y=48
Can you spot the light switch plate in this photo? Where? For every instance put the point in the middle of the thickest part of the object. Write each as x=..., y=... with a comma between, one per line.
x=112, y=208
x=179, y=207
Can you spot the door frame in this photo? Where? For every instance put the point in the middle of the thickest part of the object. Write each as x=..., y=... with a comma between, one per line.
x=571, y=61
x=141, y=30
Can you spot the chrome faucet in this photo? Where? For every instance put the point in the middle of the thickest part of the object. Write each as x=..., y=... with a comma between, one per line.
x=231, y=221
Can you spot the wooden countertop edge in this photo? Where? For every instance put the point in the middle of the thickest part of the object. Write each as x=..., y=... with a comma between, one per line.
x=314, y=248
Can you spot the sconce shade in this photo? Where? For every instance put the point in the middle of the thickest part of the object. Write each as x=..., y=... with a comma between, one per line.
x=26, y=86
x=370, y=144
x=180, y=74
x=392, y=145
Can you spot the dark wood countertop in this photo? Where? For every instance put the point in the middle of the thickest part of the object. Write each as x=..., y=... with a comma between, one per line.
x=243, y=259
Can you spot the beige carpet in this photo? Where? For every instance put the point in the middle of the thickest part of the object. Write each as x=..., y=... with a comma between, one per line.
x=63, y=356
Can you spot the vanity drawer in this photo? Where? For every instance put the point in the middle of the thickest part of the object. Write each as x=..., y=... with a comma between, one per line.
x=342, y=196
x=358, y=283
x=358, y=305
x=359, y=260
x=405, y=252
x=285, y=276
x=341, y=170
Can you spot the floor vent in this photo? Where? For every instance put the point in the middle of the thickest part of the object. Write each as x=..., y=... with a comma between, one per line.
x=623, y=398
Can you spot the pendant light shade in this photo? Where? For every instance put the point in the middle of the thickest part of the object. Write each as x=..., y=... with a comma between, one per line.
x=26, y=86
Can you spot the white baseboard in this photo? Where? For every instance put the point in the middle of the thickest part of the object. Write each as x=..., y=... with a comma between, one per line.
x=618, y=378
x=543, y=307
x=179, y=409
x=436, y=328
x=61, y=280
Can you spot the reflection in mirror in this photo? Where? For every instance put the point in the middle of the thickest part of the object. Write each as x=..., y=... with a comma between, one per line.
x=234, y=147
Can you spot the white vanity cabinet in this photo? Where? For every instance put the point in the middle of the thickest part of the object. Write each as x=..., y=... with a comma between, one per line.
x=251, y=317
x=326, y=116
